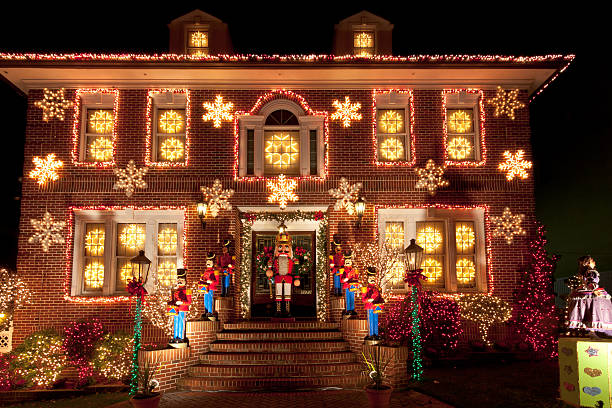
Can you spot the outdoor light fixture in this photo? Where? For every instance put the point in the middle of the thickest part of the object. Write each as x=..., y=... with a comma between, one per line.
x=282, y=228
x=414, y=256
x=143, y=264
x=360, y=207
x=202, y=207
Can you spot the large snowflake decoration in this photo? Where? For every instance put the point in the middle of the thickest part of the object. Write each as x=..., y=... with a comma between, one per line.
x=282, y=190
x=346, y=112
x=218, y=111
x=508, y=225
x=53, y=104
x=130, y=178
x=506, y=102
x=346, y=194
x=430, y=177
x=515, y=165
x=46, y=169
x=47, y=232
x=217, y=197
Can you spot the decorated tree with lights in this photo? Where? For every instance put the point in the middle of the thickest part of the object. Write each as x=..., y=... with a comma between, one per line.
x=112, y=357
x=484, y=310
x=536, y=314
x=14, y=294
x=80, y=340
x=40, y=358
x=383, y=257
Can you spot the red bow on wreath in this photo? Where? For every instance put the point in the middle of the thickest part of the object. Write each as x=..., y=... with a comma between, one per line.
x=135, y=288
x=413, y=278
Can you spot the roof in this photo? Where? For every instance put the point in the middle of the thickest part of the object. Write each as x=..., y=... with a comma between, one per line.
x=30, y=71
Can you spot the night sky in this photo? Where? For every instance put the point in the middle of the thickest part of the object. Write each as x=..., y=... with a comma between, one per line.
x=571, y=119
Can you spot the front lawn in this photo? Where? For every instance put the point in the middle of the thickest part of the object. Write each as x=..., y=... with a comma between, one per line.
x=89, y=401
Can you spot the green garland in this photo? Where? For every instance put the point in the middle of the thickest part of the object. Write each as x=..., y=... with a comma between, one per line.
x=246, y=253
x=137, y=339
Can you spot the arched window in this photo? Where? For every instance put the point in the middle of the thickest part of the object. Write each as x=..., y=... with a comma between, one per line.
x=281, y=139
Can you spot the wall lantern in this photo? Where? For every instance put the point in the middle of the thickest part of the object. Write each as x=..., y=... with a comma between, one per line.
x=202, y=207
x=360, y=206
x=142, y=264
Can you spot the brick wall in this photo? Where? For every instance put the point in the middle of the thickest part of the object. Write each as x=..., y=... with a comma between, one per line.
x=212, y=156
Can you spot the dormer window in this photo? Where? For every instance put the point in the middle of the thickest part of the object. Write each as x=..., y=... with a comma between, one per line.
x=197, y=42
x=363, y=43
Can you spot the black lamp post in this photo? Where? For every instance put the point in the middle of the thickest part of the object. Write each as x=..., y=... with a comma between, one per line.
x=143, y=264
x=202, y=208
x=414, y=256
x=360, y=206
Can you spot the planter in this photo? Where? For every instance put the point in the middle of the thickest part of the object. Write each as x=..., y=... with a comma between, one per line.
x=379, y=398
x=152, y=402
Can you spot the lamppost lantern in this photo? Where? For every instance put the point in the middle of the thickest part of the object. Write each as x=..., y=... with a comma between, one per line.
x=143, y=264
x=360, y=207
x=414, y=256
x=202, y=208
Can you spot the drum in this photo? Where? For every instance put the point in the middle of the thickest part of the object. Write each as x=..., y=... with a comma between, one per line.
x=172, y=311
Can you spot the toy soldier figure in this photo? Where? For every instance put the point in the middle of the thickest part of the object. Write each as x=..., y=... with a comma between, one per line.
x=372, y=301
x=282, y=270
x=178, y=306
x=208, y=284
x=336, y=262
x=226, y=266
x=350, y=284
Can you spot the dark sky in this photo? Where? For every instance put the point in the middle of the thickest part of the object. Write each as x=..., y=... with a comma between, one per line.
x=571, y=120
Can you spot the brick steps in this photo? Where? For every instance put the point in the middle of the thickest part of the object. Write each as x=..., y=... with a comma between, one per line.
x=277, y=358
x=271, y=383
x=250, y=335
x=270, y=346
x=266, y=325
x=277, y=371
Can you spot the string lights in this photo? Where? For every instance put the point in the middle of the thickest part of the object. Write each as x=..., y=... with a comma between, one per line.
x=40, y=358
x=130, y=178
x=53, y=104
x=409, y=138
x=459, y=148
x=46, y=169
x=282, y=191
x=218, y=111
x=506, y=102
x=14, y=294
x=112, y=356
x=346, y=195
x=515, y=165
x=132, y=236
x=456, y=151
x=430, y=177
x=346, y=111
x=484, y=310
x=48, y=231
x=101, y=149
x=508, y=225
x=217, y=197
x=80, y=339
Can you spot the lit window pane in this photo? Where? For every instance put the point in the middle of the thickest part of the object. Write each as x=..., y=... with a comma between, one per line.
x=363, y=43
x=166, y=272
x=281, y=152
x=171, y=149
x=465, y=237
x=198, y=39
x=390, y=120
x=94, y=275
x=100, y=149
x=94, y=240
x=466, y=271
x=131, y=239
x=392, y=149
x=394, y=234
x=434, y=271
x=171, y=121
x=430, y=236
x=460, y=148
x=100, y=121
x=167, y=239
x=126, y=270
x=460, y=120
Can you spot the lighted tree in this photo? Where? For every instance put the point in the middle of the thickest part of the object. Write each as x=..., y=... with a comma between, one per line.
x=14, y=294
x=484, y=310
x=80, y=339
x=157, y=303
x=383, y=257
x=40, y=358
x=112, y=356
x=536, y=318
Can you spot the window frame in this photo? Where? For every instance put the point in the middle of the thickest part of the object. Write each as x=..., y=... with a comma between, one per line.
x=196, y=27
x=465, y=99
x=111, y=219
x=410, y=216
x=364, y=28
x=307, y=122
x=394, y=99
x=155, y=96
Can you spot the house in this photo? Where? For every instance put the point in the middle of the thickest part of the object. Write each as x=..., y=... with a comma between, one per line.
x=203, y=113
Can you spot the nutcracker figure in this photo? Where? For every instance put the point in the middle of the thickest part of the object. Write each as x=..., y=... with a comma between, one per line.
x=178, y=306
x=373, y=303
x=208, y=284
x=336, y=262
x=226, y=267
x=282, y=271
x=350, y=284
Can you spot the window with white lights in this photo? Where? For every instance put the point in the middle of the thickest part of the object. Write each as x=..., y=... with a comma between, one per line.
x=98, y=127
x=169, y=128
x=393, y=127
x=106, y=241
x=281, y=139
x=363, y=43
x=463, y=135
x=197, y=41
x=453, y=240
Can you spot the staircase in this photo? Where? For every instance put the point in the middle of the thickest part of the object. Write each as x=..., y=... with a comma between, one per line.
x=274, y=356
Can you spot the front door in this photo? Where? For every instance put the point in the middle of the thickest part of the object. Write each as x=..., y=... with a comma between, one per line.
x=303, y=299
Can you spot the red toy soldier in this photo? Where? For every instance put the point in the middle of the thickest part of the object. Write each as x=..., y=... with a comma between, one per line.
x=178, y=306
x=208, y=285
x=226, y=266
x=350, y=284
x=372, y=301
x=336, y=262
x=282, y=270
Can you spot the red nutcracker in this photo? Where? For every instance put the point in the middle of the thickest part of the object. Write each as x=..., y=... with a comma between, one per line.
x=226, y=267
x=350, y=284
x=373, y=303
x=282, y=271
x=208, y=284
x=336, y=263
x=178, y=306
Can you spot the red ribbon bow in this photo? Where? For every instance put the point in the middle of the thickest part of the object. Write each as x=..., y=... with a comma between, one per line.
x=413, y=278
x=135, y=288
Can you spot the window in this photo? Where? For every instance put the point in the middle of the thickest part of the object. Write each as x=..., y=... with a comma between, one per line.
x=454, y=256
x=363, y=43
x=463, y=128
x=393, y=127
x=394, y=236
x=97, y=131
x=282, y=139
x=106, y=241
x=169, y=133
x=197, y=41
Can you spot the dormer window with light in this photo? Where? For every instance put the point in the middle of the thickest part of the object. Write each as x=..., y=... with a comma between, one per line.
x=197, y=41
x=363, y=43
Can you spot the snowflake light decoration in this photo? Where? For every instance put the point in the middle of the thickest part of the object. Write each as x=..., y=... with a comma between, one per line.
x=506, y=102
x=218, y=111
x=346, y=112
x=507, y=225
x=217, y=197
x=515, y=165
x=48, y=231
x=46, y=169
x=346, y=194
x=130, y=178
x=431, y=177
x=53, y=104
x=282, y=190
x=459, y=148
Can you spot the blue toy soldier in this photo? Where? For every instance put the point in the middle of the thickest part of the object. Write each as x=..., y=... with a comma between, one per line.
x=178, y=306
